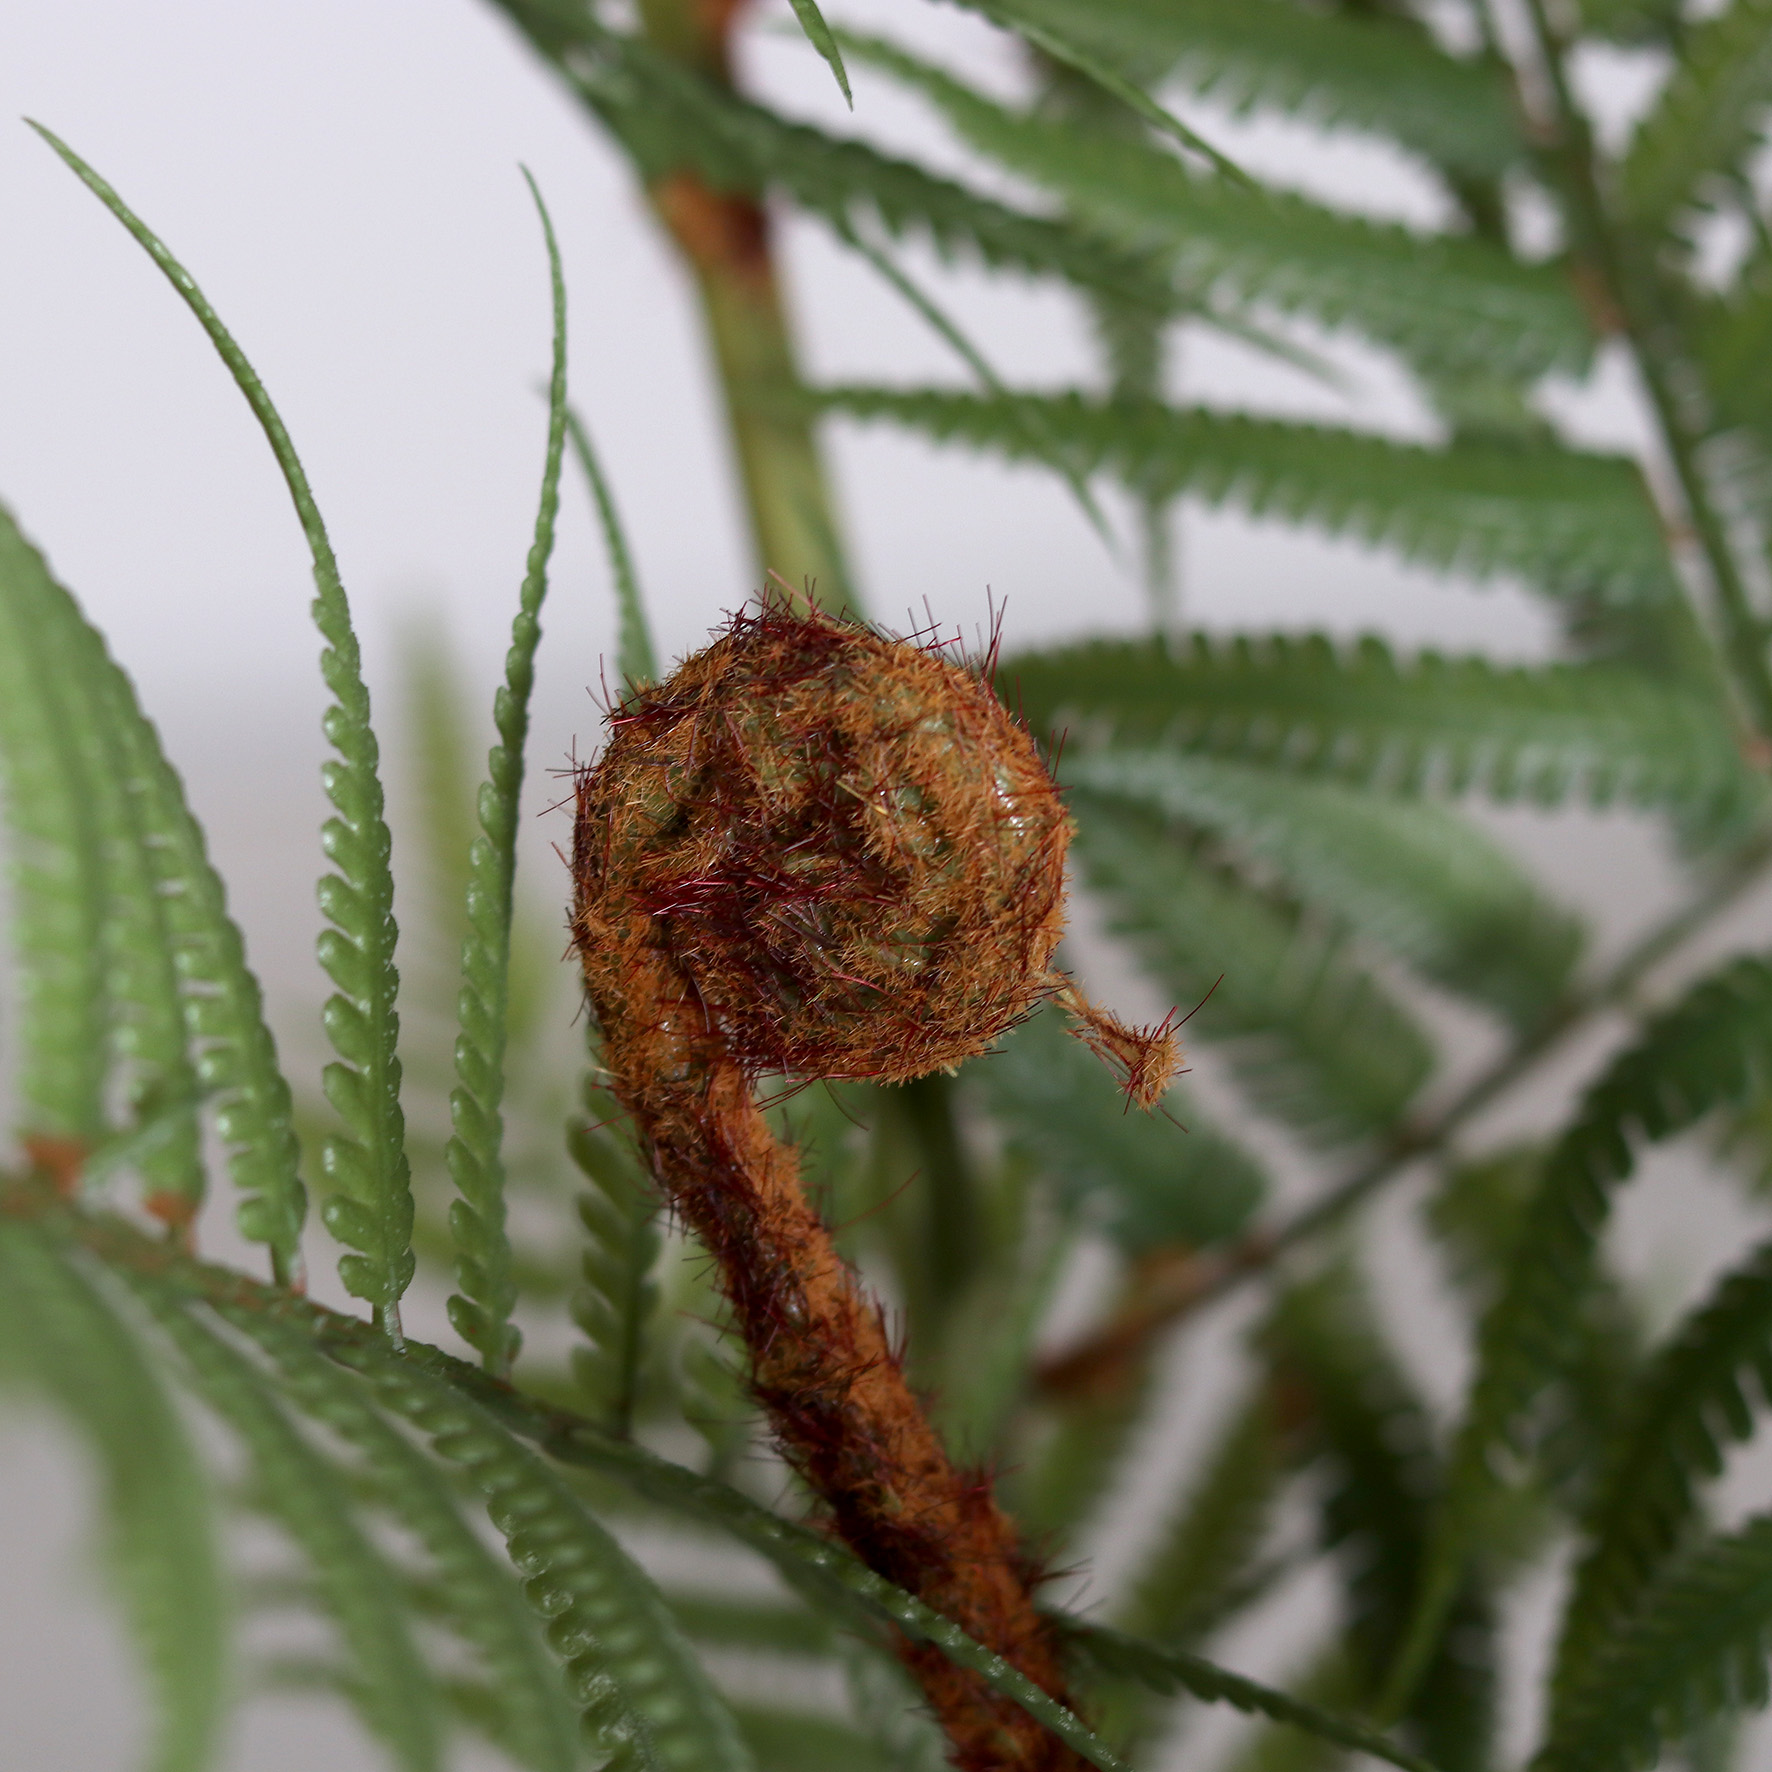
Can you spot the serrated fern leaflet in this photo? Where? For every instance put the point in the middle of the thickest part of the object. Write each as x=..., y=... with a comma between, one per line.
x=481, y=1603
x=1564, y=520
x=311, y=1501
x=1442, y=301
x=163, y=965
x=1304, y=704
x=1695, y=1647
x=1713, y=1047
x=371, y=1209
x=58, y=1331
x=635, y=658
x=481, y=1311
x=1694, y=1400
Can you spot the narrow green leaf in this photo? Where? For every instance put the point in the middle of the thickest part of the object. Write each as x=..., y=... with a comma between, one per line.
x=1028, y=23
x=1335, y=70
x=197, y=1018
x=1711, y=1049
x=671, y=120
x=811, y=1562
x=818, y=34
x=481, y=1311
x=640, y=1686
x=618, y=1301
x=1696, y=143
x=312, y=1501
x=634, y=654
x=369, y=1159
x=1173, y=1670
x=1444, y=301
x=58, y=872
x=57, y=1330
x=1379, y=1479
x=1695, y=1647
x=476, y=1593
x=1562, y=520
x=142, y=995
x=1600, y=733
x=1688, y=1407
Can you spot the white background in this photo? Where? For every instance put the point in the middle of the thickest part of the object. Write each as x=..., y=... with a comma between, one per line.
x=342, y=178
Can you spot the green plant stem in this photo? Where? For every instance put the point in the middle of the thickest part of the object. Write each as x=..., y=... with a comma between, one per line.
x=1187, y=1287
x=1633, y=289
x=724, y=238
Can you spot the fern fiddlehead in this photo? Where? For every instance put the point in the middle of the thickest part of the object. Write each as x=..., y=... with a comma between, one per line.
x=818, y=852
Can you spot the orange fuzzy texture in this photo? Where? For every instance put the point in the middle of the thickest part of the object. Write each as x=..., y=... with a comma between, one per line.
x=845, y=841
x=821, y=852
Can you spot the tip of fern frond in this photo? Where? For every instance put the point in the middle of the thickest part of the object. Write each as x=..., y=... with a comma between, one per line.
x=1146, y=1058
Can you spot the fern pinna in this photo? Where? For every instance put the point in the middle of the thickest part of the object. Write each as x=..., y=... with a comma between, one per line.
x=1275, y=829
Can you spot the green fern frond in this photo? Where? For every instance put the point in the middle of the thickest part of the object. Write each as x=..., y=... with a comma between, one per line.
x=1199, y=1569
x=1547, y=734
x=1562, y=520
x=635, y=658
x=1371, y=1430
x=1695, y=145
x=646, y=1699
x=671, y=120
x=1326, y=1680
x=1312, y=1037
x=1711, y=1049
x=619, y=1298
x=481, y=1312
x=1135, y=1177
x=152, y=852
x=1174, y=1670
x=372, y=1210
x=1731, y=334
x=69, y=816
x=1033, y=24
x=1333, y=69
x=476, y=1595
x=58, y=1332
x=1476, y=1216
x=818, y=34
x=1413, y=878
x=1441, y=300
x=312, y=1501
x=1696, y=1646
x=812, y=1564
x=1691, y=1403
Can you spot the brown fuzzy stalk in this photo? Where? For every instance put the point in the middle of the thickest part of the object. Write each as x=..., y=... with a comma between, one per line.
x=820, y=852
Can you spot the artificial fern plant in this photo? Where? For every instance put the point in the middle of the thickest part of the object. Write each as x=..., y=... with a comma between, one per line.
x=1276, y=828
